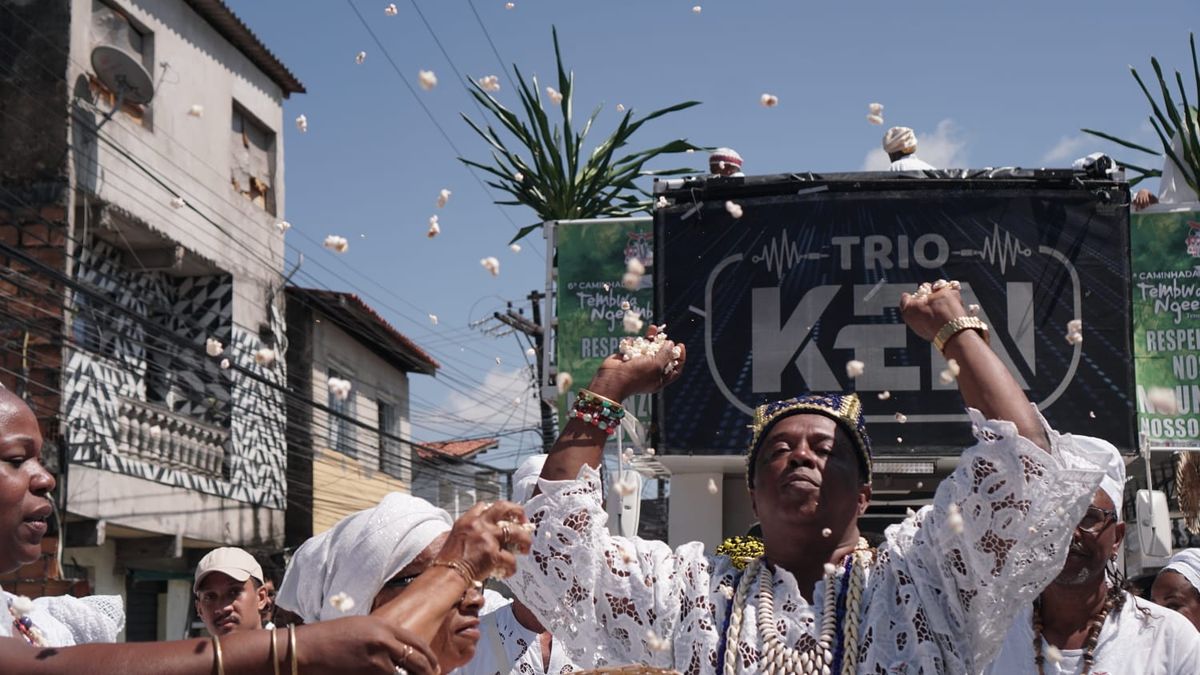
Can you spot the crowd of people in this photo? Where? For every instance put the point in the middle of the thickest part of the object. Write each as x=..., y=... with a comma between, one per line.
x=1011, y=569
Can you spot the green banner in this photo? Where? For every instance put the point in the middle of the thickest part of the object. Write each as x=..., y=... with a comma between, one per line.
x=592, y=256
x=1165, y=251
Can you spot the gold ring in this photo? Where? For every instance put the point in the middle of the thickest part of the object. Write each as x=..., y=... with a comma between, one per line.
x=408, y=650
x=504, y=533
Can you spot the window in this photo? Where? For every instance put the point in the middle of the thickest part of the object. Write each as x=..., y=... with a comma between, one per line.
x=252, y=172
x=341, y=429
x=114, y=28
x=390, y=457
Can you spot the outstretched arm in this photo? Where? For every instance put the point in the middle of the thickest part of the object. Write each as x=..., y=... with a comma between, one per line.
x=983, y=380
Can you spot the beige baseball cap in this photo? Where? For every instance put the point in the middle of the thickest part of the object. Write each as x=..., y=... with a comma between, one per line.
x=233, y=562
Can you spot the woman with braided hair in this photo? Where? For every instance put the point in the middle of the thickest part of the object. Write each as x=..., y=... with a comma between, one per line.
x=1086, y=621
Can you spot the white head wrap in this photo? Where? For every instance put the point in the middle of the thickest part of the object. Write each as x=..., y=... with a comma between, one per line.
x=525, y=478
x=900, y=139
x=1187, y=563
x=1113, y=482
x=358, y=555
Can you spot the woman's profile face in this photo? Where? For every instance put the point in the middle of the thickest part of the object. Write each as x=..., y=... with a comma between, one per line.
x=456, y=638
x=24, y=485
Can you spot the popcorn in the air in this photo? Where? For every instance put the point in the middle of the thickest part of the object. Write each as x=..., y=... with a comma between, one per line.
x=433, y=319
x=519, y=177
x=635, y=266
x=491, y=265
x=973, y=309
x=336, y=243
x=954, y=519
x=213, y=347
x=531, y=352
x=661, y=202
x=554, y=95
x=224, y=364
x=950, y=373
x=264, y=356
x=302, y=124
x=1075, y=331
x=427, y=79
x=875, y=108
x=901, y=418
x=830, y=569
x=497, y=360
x=875, y=119
x=884, y=395
x=627, y=455
x=631, y=281
x=360, y=57
x=827, y=533
x=391, y=10
x=696, y=9
x=1163, y=399
x=490, y=84
x=510, y=5
x=563, y=381
x=342, y=602
x=649, y=452
x=434, y=228
x=515, y=248
x=625, y=305
x=283, y=226
x=769, y=100
x=443, y=197
x=339, y=388
x=178, y=203
x=734, y=209
x=196, y=110
x=620, y=107
x=653, y=642
x=854, y=368
x=712, y=487
x=632, y=322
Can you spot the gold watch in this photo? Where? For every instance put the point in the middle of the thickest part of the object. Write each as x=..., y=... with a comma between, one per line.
x=956, y=326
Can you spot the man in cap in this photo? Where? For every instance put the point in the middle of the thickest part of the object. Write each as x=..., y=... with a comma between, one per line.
x=936, y=597
x=229, y=591
x=1085, y=621
x=725, y=162
x=900, y=143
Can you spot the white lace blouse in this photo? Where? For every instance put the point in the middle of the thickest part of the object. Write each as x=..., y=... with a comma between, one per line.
x=66, y=620
x=937, y=599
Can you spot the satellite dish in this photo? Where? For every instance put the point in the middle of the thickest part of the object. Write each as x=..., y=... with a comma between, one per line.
x=123, y=75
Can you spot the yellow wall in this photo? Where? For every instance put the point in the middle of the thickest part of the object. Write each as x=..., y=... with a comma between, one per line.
x=341, y=487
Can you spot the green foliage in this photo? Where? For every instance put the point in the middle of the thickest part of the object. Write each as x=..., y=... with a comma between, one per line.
x=546, y=169
x=1168, y=123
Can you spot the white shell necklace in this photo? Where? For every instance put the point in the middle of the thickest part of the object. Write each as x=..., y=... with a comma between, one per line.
x=777, y=658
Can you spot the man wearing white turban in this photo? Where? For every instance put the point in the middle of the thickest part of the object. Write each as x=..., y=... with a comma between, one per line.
x=1177, y=586
x=369, y=557
x=1085, y=621
x=900, y=143
x=513, y=641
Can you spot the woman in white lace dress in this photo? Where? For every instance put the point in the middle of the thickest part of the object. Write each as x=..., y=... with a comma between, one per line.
x=46, y=635
x=936, y=597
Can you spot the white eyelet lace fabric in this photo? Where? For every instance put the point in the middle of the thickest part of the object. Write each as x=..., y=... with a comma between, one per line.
x=66, y=620
x=937, y=600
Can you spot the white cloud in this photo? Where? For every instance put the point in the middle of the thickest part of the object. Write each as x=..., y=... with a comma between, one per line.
x=943, y=148
x=508, y=403
x=1068, y=149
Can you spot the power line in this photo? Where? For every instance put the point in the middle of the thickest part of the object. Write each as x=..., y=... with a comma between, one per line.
x=488, y=35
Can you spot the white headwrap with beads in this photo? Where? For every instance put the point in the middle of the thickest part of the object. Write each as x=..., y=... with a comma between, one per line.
x=358, y=555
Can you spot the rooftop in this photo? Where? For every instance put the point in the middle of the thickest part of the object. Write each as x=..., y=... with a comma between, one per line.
x=218, y=14
x=458, y=449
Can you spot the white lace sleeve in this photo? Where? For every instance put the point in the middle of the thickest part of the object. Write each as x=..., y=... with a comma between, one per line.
x=949, y=579
x=606, y=599
x=92, y=618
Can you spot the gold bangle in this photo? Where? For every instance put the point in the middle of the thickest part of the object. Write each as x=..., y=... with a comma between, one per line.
x=464, y=569
x=956, y=326
x=292, y=647
x=274, y=652
x=217, y=656
x=588, y=393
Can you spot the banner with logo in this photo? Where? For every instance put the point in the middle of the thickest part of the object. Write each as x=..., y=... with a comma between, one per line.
x=592, y=257
x=1165, y=250
x=809, y=278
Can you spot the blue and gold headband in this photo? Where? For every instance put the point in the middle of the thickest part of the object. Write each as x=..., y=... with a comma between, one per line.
x=845, y=409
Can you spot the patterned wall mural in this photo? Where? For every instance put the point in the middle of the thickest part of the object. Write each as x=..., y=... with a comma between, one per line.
x=143, y=397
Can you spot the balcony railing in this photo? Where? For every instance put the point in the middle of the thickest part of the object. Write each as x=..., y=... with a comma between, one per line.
x=156, y=435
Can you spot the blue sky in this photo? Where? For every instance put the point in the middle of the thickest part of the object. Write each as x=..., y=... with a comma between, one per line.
x=983, y=84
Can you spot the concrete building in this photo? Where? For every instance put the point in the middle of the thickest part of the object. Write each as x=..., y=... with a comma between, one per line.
x=142, y=183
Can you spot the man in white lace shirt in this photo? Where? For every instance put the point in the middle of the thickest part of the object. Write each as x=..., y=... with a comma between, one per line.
x=938, y=595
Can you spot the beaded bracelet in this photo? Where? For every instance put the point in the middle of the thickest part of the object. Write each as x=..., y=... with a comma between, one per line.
x=603, y=413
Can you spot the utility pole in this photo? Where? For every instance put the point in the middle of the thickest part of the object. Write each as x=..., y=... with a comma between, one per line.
x=533, y=330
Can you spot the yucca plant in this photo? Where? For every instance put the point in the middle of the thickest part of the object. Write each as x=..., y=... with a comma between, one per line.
x=549, y=170
x=1168, y=123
